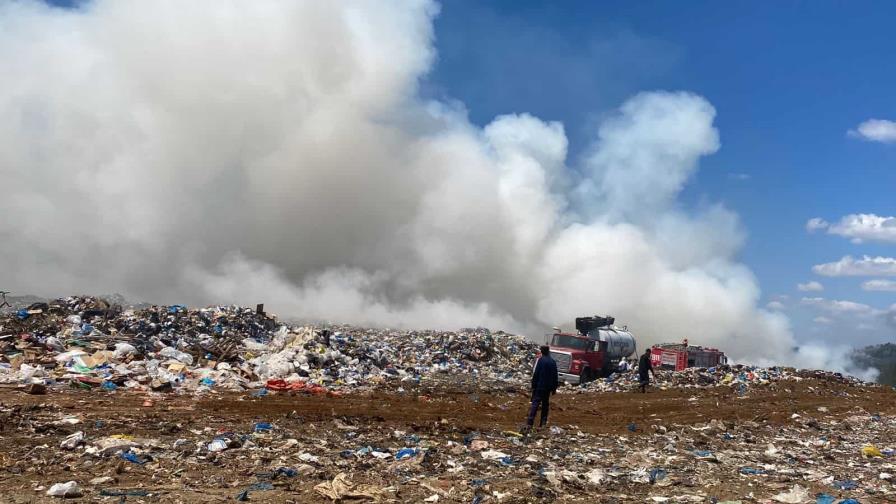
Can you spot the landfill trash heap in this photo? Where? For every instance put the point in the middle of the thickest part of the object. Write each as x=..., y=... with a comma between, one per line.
x=738, y=377
x=89, y=342
x=106, y=403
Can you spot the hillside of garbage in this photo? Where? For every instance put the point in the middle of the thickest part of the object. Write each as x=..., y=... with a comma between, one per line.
x=92, y=342
x=101, y=402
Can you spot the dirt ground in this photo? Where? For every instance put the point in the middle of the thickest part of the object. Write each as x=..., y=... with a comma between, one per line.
x=30, y=432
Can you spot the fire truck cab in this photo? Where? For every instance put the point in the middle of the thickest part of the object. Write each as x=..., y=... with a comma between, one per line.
x=595, y=351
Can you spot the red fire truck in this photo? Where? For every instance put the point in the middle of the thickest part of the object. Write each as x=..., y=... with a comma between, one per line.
x=678, y=356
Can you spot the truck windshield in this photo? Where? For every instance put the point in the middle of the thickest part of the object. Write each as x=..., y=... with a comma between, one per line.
x=562, y=340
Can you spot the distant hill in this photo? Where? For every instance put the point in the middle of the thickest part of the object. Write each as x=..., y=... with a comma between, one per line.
x=882, y=357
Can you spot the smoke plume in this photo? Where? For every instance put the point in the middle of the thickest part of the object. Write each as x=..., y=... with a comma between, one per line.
x=219, y=151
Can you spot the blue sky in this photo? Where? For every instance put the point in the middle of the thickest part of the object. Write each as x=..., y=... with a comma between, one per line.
x=788, y=80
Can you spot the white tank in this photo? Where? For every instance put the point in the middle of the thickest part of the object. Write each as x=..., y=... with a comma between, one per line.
x=620, y=343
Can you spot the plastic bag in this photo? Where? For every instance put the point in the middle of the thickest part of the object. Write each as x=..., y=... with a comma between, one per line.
x=122, y=350
x=68, y=489
x=871, y=451
x=177, y=355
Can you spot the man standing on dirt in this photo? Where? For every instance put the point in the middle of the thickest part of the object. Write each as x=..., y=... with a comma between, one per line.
x=644, y=366
x=544, y=383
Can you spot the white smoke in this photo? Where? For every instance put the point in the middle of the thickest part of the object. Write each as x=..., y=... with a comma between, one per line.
x=221, y=151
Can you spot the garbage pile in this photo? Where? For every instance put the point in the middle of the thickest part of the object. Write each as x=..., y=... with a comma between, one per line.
x=738, y=377
x=90, y=342
x=273, y=412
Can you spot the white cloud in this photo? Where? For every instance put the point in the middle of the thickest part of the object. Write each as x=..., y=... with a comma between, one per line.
x=841, y=322
x=836, y=306
x=865, y=227
x=880, y=285
x=740, y=177
x=775, y=305
x=876, y=130
x=812, y=286
x=866, y=266
x=877, y=323
x=815, y=224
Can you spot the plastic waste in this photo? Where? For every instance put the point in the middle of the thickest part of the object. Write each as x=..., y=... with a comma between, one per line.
x=123, y=350
x=261, y=486
x=307, y=457
x=218, y=444
x=704, y=455
x=340, y=488
x=289, y=472
x=172, y=353
x=67, y=490
x=133, y=458
x=54, y=344
x=796, y=495
x=493, y=455
x=73, y=441
x=845, y=485
x=871, y=451
x=132, y=492
x=406, y=453
x=111, y=444
x=236, y=350
x=596, y=476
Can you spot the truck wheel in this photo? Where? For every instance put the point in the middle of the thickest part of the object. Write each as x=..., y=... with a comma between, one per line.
x=585, y=376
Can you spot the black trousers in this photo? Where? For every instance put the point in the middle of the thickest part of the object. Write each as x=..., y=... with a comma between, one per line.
x=542, y=398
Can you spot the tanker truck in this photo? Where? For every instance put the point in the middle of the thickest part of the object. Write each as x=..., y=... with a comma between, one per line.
x=593, y=352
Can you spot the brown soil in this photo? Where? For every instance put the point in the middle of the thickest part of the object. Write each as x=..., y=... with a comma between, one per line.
x=27, y=424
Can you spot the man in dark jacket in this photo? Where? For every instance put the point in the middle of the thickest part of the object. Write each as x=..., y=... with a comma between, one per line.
x=544, y=383
x=644, y=366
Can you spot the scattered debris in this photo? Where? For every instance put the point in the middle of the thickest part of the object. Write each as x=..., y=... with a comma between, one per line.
x=238, y=403
x=66, y=490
